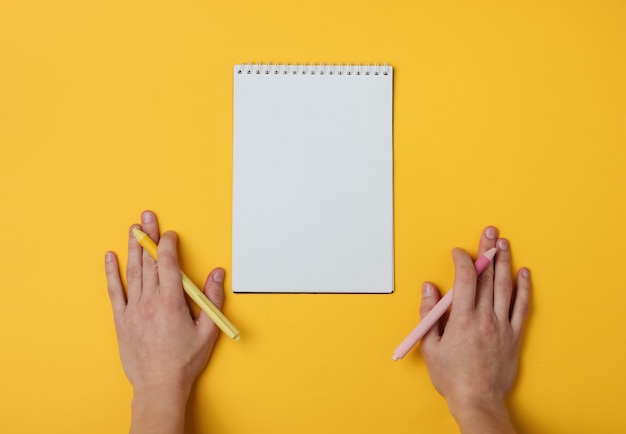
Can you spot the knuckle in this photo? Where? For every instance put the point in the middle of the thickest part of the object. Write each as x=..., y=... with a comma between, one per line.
x=424, y=310
x=171, y=303
x=147, y=312
x=218, y=298
x=463, y=320
x=505, y=287
x=149, y=263
x=466, y=277
x=488, y=324
x=486, y=277
x=133, y=273
x=426, y=305
x=167, y=259
x=488, y=328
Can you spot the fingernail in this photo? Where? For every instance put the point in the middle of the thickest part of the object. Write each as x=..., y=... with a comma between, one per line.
x=218, y=276
x=491, y=233
x=525, y=273
x=427, y=289
x=503, y=244
x=108, y=257
x=147, y=217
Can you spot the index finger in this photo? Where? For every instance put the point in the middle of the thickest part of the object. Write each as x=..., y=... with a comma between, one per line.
x=485, y=280
x=170, y=279
x=503, y=286
x=464, y=297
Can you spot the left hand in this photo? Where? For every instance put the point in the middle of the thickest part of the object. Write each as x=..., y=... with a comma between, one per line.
x=162, y=347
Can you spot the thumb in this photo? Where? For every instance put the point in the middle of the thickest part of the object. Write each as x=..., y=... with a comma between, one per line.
x=430, y=297
x=214, y=290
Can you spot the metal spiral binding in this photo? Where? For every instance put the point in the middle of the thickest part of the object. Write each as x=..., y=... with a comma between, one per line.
x=312, y=69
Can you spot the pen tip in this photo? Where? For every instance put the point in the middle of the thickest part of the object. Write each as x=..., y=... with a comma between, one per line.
x=491, y=253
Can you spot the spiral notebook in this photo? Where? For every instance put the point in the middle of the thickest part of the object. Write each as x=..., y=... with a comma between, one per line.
x=313, y=179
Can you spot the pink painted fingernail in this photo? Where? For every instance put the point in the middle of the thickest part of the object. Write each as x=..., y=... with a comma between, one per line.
x=525, y=273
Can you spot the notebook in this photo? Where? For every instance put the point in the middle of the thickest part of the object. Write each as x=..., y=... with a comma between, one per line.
x=312, y=179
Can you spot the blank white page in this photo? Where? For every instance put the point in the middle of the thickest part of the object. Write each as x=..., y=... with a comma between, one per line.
x=313, y=179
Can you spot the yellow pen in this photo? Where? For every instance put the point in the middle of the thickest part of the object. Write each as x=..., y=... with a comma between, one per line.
x=192, y=290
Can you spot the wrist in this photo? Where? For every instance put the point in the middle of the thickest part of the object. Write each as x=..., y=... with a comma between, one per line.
x=478, y=415
x=158, y=408
x=168, y=390
x=160, y=397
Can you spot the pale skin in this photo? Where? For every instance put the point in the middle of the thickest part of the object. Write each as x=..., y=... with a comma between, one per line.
x=162, y=346
x=472, y=356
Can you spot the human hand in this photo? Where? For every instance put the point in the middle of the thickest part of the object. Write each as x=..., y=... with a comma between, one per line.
x=162, y=347
x=472, y=357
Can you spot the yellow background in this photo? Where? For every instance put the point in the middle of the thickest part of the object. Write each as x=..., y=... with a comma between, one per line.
x=511, y=113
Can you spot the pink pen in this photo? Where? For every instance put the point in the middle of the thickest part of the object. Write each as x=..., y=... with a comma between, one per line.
x=437, y=312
